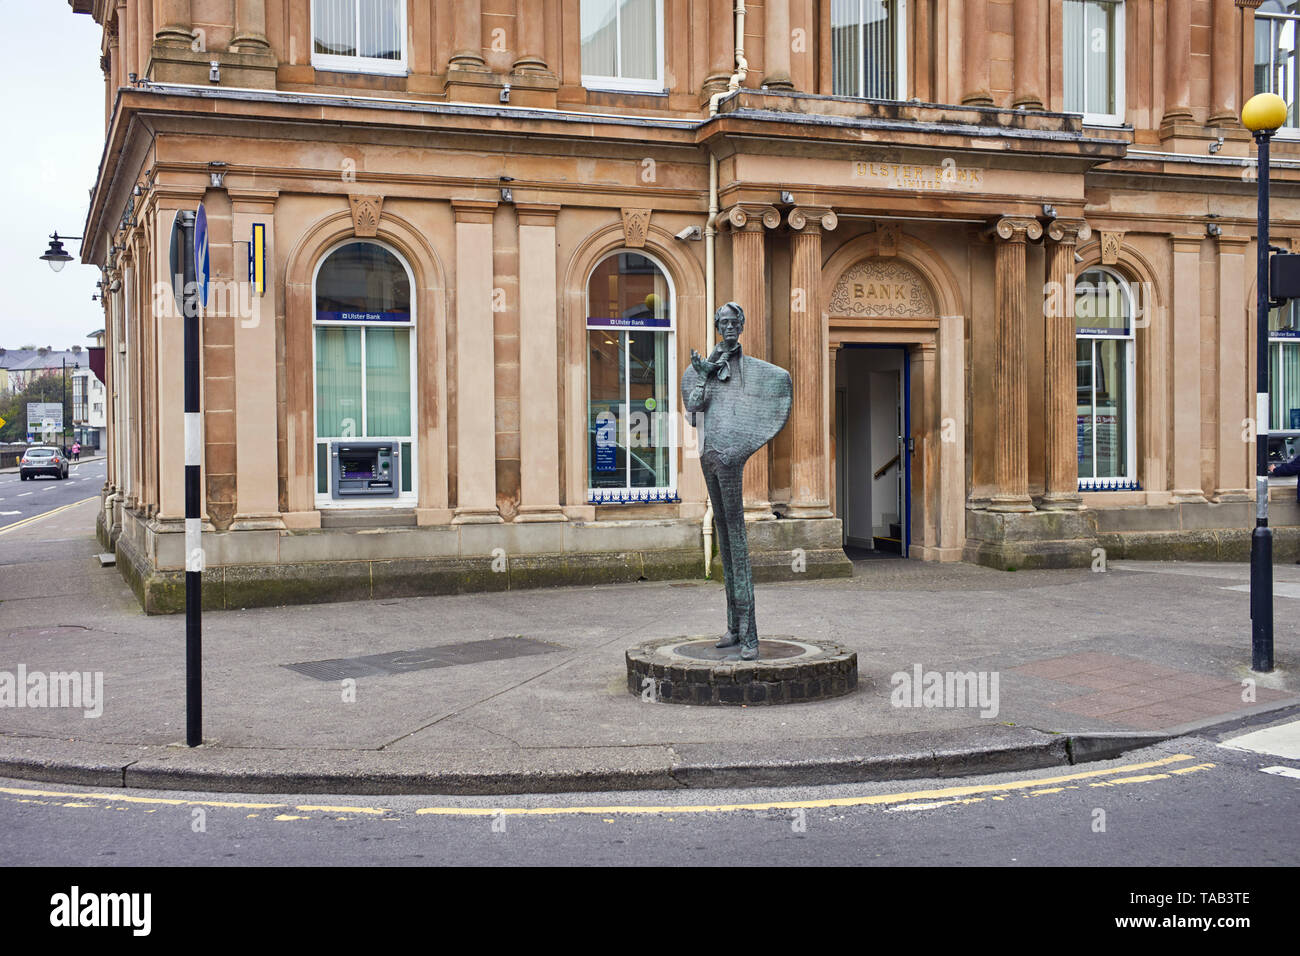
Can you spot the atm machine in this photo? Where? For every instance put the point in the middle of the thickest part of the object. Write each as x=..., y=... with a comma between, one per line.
x=365, y=469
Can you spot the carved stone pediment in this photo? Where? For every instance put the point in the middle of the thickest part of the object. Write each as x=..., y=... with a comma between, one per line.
x=883, y=287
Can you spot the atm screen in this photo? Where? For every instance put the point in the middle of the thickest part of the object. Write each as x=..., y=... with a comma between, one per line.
x=357, y=466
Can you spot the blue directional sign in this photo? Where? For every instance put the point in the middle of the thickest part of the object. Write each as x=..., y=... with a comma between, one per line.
x=201, y=254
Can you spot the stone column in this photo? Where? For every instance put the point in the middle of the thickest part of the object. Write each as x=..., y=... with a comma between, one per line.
x=975, y=58
x=530, y=24
x=1030, y=41
x=256, y=393
x=476, y=484
x=1010, y=395
x=250, y=27
x=127, y=42
x=776, y=45
x=721, y=50
x=1059, y=401
x=1236, y=456
x=1186, y=368
x=1223, y=69
x=749, y=224
x=1178, y=62
x=172, y=23
x=467, y=36
x=809, y=417
x=539, y=400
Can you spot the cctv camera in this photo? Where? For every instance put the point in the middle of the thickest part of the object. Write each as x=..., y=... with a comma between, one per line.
x=690, y=232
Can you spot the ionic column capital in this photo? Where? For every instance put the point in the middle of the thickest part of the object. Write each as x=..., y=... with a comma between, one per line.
x=1018, y=228
x=812, y=218
x=1069, y=231
x=752, y=217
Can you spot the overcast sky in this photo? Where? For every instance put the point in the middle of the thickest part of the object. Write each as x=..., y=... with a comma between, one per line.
x=52, y=116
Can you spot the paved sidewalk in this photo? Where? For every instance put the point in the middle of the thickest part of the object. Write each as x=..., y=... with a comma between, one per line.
x=525, y=691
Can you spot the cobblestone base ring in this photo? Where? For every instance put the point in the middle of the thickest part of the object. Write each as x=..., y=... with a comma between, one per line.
x=690, y=670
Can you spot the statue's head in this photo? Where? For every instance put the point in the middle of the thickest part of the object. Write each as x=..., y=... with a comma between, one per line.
x=729, y=321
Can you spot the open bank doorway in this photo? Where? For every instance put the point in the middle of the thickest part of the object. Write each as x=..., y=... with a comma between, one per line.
x=873, y=468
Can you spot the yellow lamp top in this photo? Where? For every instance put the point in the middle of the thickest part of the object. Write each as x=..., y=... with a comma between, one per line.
x=1263, y=111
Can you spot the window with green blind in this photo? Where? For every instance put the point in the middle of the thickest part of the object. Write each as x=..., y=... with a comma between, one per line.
x=364, y=354
x=1284, y=369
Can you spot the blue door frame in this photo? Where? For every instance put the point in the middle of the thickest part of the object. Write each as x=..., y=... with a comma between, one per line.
x=907, y=436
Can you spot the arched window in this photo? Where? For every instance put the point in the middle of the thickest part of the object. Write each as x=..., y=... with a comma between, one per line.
x=1105, y=379
x=364, y=341
x=631, y=376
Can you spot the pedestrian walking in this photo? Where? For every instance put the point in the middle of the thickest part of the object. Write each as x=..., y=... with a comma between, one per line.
x=76, y=451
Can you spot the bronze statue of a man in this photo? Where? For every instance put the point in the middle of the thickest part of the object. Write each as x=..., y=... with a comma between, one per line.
x=738, y=403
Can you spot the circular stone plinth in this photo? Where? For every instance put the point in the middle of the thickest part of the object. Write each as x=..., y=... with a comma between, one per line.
x=690, y=670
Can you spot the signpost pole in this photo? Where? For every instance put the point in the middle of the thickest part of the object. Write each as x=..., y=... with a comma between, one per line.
x=189, y=298
x=1261, y=541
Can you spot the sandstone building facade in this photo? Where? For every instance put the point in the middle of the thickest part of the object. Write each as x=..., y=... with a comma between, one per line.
x=1004, y=248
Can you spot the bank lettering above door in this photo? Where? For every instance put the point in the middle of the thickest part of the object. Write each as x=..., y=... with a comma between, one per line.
x=945, y=175
x=882, y=287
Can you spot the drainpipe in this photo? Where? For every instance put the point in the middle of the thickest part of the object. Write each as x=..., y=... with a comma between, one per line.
x=710, y=237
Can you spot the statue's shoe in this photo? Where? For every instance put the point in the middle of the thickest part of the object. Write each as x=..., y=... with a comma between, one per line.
x=749, y=653
x=728, y=640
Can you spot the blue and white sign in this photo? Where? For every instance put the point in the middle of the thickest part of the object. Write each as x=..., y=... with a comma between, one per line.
x=201, y=254
x=628, y=322
x=606, y=442
x=323, y=315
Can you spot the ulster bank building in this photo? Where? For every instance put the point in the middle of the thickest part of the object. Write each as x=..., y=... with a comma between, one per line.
x=461, y=252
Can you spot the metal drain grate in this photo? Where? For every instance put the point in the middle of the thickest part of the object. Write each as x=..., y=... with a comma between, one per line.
x=423, y=658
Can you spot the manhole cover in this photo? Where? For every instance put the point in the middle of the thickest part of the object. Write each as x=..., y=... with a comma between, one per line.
x=423, y=658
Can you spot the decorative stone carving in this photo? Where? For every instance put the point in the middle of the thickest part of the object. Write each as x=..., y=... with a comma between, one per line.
x=1069, y=230
x=741, y=214
x=887, y=235
x=1018, y=229
x=1110, y=243
x=636, y=226
x=801, y=216
x=366, y=211
x=882, y=287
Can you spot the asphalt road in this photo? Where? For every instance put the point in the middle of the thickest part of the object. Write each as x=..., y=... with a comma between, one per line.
x=1187, y=802
x=20, y=500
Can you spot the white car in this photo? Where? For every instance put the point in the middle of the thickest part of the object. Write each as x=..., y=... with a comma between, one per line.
x=43, y=460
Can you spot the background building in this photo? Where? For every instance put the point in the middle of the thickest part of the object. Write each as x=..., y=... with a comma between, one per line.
x=1003, y=247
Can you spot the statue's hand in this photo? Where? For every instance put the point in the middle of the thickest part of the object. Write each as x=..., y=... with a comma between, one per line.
x=697, y=363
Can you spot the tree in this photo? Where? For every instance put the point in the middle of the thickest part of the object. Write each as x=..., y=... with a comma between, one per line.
x=13, y=407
